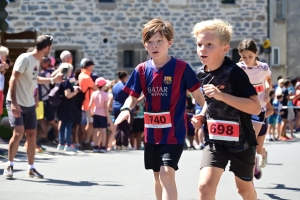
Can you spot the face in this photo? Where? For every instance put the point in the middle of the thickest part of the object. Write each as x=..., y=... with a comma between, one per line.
x=90, y=68
x=158, y=46
x=45, y=65
x=47, y=50
x=69, y=59
x=248, y=57
x=3, y=58
x=210, y=49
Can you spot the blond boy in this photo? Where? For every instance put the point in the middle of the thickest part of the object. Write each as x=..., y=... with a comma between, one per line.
x=164, y=81
x=230, y=99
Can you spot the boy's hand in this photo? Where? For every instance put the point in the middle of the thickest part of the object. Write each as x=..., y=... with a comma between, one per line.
x=212, y=91
x=198, y=120
x=124, y=115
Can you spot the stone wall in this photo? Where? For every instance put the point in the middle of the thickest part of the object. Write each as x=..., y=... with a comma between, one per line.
x=83, y=25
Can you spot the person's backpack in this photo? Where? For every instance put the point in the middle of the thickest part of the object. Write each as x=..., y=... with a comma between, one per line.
x=54, y=96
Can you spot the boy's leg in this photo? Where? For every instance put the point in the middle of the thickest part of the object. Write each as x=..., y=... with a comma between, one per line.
x=208, y=182
x=245, y=189
x=157, y=186
x=167, y=179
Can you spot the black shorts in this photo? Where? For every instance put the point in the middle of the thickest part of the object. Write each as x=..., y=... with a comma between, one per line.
x=264, y=128
x=99, y=121
x=138, y=125
x=191, y=132
x=157, y=155
x=241, y=163
x=49, y=113
x=258, y=118
x=285, y=114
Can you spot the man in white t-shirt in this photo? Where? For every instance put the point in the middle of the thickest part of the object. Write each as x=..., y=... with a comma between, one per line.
x=21, y=104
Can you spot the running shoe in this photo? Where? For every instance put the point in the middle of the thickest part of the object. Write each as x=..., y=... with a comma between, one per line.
x=70, y=148
x=257, y=169
x=264, y=161
x=192, y=147
x=60, y=147
x=202, y=147
x=8, y=171
x=32, y=173
x=102, y=151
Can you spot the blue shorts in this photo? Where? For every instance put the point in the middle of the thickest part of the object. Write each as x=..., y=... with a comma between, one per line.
x=272, y=120
x=99, y=121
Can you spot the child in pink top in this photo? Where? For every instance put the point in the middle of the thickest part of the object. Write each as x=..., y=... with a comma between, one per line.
x=98, y=108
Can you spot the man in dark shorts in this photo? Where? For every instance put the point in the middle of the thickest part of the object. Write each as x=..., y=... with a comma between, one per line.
x=21, y=105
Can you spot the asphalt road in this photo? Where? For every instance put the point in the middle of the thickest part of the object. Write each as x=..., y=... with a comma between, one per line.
x=121, y=175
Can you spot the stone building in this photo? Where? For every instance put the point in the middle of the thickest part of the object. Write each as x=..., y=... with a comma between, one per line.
x=109, y=31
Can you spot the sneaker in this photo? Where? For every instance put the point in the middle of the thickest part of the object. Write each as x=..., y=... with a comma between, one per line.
x=192, y=147
x=8, y=171
x=32, y=173
x=86, y=146
x=70, y=148
x=3, y=152
x=257, y=169
x=102, y=151
x=60, y=147
x=202, y=147
x=264, y=161
x=96, y=150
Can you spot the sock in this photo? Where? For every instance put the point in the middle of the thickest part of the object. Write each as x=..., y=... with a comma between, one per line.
x=92, y=144
x=30, y=167
x=201, y=144
x=9, y=163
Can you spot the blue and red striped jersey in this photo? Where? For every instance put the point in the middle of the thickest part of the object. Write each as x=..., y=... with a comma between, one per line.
x=165, y=90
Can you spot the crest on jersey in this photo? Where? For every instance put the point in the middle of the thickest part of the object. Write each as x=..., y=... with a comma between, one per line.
x=168, y=79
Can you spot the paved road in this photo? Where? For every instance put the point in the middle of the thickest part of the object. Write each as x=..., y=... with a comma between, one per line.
x=120, y=175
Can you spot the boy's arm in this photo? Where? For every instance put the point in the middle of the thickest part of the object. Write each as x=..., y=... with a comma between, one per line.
x=125, y=114
x=249, y=105
x=198, y=96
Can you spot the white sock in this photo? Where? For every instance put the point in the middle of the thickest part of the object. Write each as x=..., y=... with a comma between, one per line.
x=9, y=163
x=30, y=167
x=201, y=144
x=92, y=144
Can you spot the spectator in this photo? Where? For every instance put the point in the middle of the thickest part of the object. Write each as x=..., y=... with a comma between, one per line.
x=296, y=102
x=3, y=55
x=49, y=110
x=123, y=129
x=64, y=110
x=98, y=108
x=87, y=87
x=66, y=57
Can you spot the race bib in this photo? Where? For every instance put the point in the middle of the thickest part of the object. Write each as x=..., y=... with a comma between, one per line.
x=157, y=120
x=259, y=88
x=223, y=130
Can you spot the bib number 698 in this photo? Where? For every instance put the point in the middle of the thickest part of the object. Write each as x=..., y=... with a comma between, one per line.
x=221, y=129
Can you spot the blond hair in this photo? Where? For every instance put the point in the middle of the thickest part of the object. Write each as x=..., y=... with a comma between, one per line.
x=4, y=51
x=157, y=25
x=222, y=29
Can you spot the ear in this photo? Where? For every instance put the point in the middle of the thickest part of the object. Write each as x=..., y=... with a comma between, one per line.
x=170, y=43
x=226, y=48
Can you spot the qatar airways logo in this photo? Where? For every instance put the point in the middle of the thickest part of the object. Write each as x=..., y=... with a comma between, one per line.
x=158, y=91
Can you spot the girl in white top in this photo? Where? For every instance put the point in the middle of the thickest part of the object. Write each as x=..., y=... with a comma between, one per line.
x=259, y=75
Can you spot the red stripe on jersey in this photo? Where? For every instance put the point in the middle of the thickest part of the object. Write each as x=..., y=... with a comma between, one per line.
x=131, y=92
x=178, y=73
x=195, y=87
x=156, y=102
x=142, y=69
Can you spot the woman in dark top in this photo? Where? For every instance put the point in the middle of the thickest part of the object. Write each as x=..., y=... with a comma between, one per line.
x=64, y=110
x=123, y=129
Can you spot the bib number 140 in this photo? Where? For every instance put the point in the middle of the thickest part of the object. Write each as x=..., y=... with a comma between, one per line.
x=157, y=119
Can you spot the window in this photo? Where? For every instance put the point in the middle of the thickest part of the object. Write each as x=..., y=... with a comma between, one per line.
x=128, y=59
x=106, y=1
x=228, y=1
x=275, y=56
x=280, y=9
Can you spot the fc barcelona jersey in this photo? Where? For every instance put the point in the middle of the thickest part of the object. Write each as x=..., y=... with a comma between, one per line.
x=164, y=90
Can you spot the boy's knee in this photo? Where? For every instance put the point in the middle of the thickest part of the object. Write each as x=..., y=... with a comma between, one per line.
x=166, y=175
x=205, y=189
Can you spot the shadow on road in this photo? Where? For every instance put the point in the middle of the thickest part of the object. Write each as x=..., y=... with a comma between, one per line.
x=281, y=187
x=279, y=164
x=274, y=196
x=70, y=183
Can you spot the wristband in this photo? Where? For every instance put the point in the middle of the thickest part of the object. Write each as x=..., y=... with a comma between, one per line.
x=52, y=81
x=125, y=108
